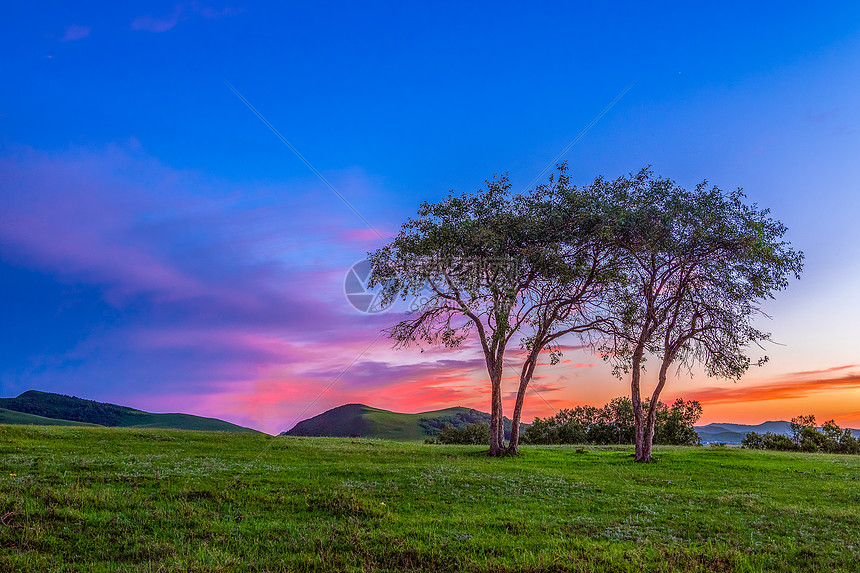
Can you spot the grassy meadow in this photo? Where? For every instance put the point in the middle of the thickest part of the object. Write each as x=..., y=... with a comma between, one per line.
x=118, y=499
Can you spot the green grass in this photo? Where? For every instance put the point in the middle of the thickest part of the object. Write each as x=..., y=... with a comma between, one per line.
x=98, y=499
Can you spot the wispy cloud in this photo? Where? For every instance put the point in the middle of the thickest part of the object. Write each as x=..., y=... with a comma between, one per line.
x=814, y=373
x=75, y=32
x=181, y=12
x=797, y=385
x=213, y=289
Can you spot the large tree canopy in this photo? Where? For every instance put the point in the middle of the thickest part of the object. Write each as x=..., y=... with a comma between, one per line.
x=655, y=269
x=475, y=254
x=530, y=267
x=580, y=264
x=696, y=267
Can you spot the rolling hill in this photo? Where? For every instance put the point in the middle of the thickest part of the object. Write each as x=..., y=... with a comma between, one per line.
x=734, y=433
x=46, y=408
x=13, y=417
x=358, y=420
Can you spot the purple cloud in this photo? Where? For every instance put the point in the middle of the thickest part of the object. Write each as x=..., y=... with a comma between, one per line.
x=75, y=32
x=182, y=11
x=224, y=300
x=215, y=287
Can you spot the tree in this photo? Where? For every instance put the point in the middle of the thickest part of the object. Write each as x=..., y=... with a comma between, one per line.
x=753, y=441
x=618, y=422
x=677, y=424
x=697, y=265
x=577, y=263
x=798, y=423
x=477, y=254
x=471, y=434
x=532, y=266
x=613, y=424
x=806, y=438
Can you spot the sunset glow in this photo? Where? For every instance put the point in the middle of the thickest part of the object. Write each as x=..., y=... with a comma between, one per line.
x=161, y=248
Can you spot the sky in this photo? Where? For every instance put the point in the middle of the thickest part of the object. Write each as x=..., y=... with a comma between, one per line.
x=162, y=248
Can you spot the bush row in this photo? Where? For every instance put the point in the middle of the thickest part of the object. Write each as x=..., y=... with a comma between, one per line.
x=614, y=424
x=611, y=424
x=830, y=438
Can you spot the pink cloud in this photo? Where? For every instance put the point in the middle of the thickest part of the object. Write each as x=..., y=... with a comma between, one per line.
x=365, y=235
x=224, y=305
x=226, y=299
x=75, y=32
x=182, y=11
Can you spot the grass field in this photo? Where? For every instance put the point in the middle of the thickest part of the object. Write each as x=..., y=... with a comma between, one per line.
x=98, y=499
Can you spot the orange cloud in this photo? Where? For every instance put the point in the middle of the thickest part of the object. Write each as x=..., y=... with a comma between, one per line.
x=796, y=385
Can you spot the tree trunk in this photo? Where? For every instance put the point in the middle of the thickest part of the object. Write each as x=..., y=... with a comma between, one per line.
x=497, y=404
x=497, y=427
x=649, y=433
x=517, y=416
x=525, y=378
x=495, y=447
x=651, y=421
x=636, y=399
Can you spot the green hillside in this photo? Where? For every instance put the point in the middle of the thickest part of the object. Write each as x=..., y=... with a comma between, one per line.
x=358, y=420
x=13, y=417
x=179, y=421
x=47, y=408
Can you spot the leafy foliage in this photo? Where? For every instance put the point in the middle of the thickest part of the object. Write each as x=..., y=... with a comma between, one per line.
x=467, y=257
x=697, y=265
x=459, y=420
x=614, y=424
x=656, y=269
x=806, y=438
x=471, y=434
x=798, y=424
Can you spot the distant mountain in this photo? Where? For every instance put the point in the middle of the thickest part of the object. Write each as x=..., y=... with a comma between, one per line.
x=358, y=420
x=734, y=433
x=46, y=408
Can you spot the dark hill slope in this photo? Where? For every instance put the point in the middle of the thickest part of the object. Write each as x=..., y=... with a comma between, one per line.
x=358, y=420
x=77, y=410
x=13, y=417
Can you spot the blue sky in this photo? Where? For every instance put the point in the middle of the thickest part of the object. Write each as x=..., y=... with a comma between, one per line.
x=159, y=247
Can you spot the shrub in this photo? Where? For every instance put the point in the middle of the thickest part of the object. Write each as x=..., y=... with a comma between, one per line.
x=471, y=434
x=603, y=433
x=848, y=444
x=613, y=424
x=753, y=441
x=811, y=440
x=779, y=442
